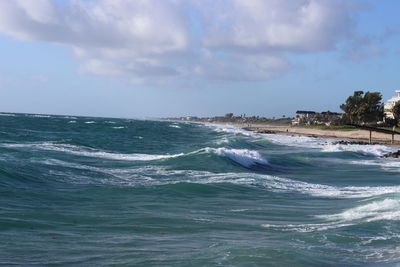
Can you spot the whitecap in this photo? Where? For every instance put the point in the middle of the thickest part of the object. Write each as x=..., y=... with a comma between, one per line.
x=222, y=141
x=90, y=122
x=322, y=144
x=305, y=228
x=230, y=129
x=244, y=157
x=88, y=152
x=37, y=116
x=269, y=182
x=119, y=127
x=386, y=209
x=367, y=150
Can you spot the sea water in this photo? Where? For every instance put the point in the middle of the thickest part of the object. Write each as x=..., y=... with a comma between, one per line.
x=104, y=191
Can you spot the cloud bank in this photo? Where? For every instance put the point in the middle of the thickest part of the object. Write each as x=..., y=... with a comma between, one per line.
x=153, y=40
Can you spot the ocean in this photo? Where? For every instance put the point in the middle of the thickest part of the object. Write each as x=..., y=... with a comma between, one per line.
x=84, y=191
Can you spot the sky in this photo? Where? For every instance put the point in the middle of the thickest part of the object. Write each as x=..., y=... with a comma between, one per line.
x=153, y=58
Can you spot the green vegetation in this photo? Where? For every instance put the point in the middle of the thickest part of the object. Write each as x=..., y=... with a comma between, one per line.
x=329, y=127
x=363, y=108
x=396, y=113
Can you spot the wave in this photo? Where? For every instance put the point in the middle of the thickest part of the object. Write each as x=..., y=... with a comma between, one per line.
x=70, y=117
x=161, y=176
x=222, y=141
x=387, y=164
x=322, y=144
x=72, y=122
x=37, y=116
x=244, y=157
x=89, y=152
x=387, y=209
x=119, y=127
x=367, y=150
x=304, y=228
x=230, y=129
x=297, y=140
x=90, y=122
x=328, y=145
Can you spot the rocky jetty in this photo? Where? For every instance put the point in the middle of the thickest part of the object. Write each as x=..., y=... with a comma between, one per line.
x=344, y=142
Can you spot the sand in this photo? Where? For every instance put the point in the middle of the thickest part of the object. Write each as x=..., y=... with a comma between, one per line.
x=356, y=135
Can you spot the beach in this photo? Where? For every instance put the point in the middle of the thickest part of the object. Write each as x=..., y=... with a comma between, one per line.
x=353, y=135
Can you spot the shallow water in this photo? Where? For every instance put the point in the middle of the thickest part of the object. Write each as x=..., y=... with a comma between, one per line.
x=100, y=191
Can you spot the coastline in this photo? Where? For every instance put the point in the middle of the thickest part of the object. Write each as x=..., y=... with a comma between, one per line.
x=356, y=135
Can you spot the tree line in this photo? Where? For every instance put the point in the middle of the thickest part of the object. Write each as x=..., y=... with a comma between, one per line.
x=368, y=108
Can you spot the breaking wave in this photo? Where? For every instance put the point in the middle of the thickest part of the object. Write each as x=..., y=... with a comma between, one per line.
x=387, y=209
x=88, y=152
x=367, y=150
x=271, y=183
x=175, y=126
x=244, y=157
x=321, y=144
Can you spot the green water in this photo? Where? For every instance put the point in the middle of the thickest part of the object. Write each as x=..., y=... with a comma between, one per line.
x=102, y=191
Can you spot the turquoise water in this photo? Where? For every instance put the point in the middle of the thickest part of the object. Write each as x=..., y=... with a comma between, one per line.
x=102, y=191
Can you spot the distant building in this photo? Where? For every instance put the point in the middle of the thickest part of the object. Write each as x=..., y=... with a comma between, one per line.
x=303, y=116
x=331, y=115
x=388, y=107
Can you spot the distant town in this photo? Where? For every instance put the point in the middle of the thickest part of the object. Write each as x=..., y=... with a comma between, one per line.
x=360, y=108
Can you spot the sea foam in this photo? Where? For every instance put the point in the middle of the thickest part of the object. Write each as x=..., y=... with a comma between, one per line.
x=386, y=209
x=271, y=183
x=88, y=152
x=244, y=157
x=321, y=144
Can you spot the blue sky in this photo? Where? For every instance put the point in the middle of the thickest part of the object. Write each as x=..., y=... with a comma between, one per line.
x=146, y=59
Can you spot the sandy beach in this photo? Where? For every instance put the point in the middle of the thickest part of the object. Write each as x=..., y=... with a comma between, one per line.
x=354, y=135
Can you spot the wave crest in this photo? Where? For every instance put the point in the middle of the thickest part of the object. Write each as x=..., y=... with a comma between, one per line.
x=244, y=157
x=90, y=152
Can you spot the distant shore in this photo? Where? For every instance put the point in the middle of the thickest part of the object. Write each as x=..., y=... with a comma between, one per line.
x=351, y=135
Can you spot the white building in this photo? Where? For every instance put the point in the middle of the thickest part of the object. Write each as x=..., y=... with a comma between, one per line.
x=388, y=107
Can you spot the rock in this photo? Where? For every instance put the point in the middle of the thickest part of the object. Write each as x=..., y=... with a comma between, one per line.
x=343, y=142
x=267, y=132
x=392, y=155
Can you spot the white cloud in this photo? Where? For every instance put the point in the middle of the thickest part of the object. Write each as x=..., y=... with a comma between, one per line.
x=149, y=40
x=295, y=25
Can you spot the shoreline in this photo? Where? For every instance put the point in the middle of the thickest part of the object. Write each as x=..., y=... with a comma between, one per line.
x=356, y=135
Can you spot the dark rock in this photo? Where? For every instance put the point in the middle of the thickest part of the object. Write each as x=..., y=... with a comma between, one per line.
x=344, y=142
x=392, y=155
x=267, y=132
